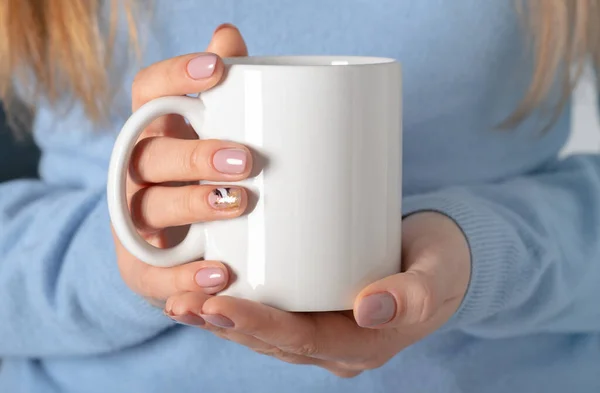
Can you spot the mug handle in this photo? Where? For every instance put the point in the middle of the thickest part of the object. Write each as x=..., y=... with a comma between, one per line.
x=193, y=246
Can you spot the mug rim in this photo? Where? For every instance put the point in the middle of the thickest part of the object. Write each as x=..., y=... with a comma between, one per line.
x=305, y=61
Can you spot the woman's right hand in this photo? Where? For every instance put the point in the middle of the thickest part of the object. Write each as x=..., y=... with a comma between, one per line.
x=167, y=163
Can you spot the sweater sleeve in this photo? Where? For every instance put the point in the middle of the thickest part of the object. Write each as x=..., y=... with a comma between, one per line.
x=535, y=250
x=60, y=288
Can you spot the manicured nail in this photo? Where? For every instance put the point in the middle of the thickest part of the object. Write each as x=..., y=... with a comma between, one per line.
x=226, y=198
x=210, y=277
x=218, y=320
x=202, y=66
x=230, y=161
x=376, y=309
x=187, y=319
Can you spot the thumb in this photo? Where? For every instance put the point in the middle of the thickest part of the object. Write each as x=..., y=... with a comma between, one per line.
x=403, y=299
x=227, y=41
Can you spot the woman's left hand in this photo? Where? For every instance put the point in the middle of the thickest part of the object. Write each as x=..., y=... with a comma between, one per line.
x=389, y=315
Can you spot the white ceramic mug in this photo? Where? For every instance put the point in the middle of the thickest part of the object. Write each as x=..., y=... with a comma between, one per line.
x=327, y=218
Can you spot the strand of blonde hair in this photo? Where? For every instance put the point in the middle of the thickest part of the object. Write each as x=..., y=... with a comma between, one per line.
x=58, y=47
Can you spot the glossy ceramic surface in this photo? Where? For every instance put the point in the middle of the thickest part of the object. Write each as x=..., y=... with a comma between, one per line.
x=326, y=217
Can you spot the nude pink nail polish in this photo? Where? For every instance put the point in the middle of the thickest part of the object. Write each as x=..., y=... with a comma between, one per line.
x=202, y=66
x=188, y=319
x=230, y=161
x=376, y=309
x=210, y=277
x=219, y=321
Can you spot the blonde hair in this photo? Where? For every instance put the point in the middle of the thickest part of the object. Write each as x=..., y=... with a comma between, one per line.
x=60, y=45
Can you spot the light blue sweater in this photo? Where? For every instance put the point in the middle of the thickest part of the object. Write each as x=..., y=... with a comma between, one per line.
x=530, y=321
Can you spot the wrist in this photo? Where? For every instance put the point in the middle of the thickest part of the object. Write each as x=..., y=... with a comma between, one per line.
x=490, y=245
x=437, y=238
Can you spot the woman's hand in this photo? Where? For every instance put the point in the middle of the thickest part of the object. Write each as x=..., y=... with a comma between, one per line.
x=167, y=163
x=389, y=315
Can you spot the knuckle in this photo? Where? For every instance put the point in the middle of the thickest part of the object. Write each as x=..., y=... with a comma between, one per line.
x=282, y=355
x=140, y=160
x=172, y=76
x=138, y=86
x=307, y=349
x=194, y=164
x=421, y=299
x=180, y=281
x=176, y=305
x=305, y=343
x=138, y=208
x=219, y=332
x=192, y=202
x=270, y=351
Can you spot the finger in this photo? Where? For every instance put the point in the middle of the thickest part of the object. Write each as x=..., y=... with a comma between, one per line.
x=162, y=207
x=326, y=336
x=186, y=306
x=190, y=73
x=427, y=238
x=207, y=277
x=186, y=74
x=160, y=159
x=403, y=299
x=263, y=348
x=433, y=277
x=179, y=308
x=227, y=41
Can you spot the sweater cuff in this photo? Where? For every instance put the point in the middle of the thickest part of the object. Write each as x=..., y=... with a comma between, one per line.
x=492, y=246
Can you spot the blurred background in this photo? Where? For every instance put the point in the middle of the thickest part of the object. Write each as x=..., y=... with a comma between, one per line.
x=18, y=158
x=584, y=138
x=586, y=128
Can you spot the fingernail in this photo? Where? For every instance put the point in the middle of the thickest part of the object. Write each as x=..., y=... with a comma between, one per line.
x=218, y=320
x=225, y=198
x=376, y=309
x=187, y=319
x=210, y=277
x=230, y=161
x=202, y=66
